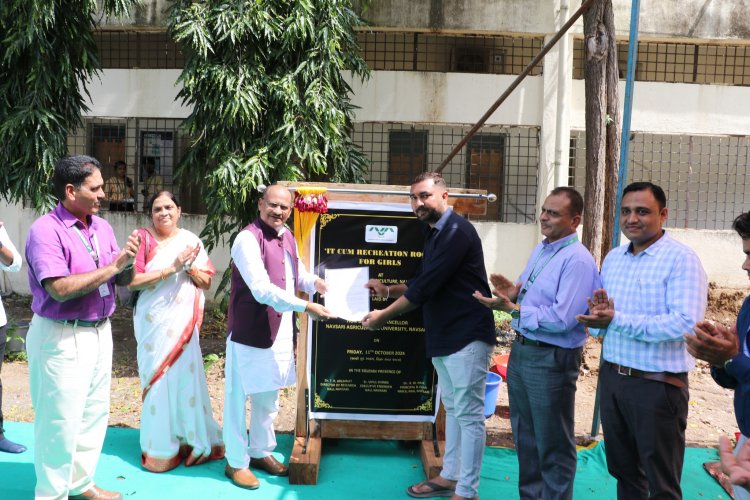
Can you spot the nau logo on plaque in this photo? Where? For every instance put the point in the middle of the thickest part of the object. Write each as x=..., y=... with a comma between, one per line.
x=381, y=234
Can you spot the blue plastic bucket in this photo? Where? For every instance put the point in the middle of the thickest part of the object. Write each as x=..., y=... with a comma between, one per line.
x=494, y=381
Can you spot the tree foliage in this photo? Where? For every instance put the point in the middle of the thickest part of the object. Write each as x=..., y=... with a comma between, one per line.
x=48, y=56
x=264, y=79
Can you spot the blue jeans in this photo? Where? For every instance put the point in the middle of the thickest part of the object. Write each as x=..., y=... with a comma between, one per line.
x=462, y=377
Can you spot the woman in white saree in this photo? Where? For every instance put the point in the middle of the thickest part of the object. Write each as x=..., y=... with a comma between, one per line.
x=172, y=270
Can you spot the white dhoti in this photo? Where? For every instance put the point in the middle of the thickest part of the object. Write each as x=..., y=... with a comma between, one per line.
x=69, y=373
x=255, y=374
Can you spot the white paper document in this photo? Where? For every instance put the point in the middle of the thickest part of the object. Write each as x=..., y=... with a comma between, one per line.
x=347, y=296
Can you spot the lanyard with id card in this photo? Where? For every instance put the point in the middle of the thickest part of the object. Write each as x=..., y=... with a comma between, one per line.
x=534, y=274
x=94, y=252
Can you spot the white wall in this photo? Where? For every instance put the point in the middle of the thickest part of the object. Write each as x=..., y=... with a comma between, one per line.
x=724, y=19
x=445, y=98
x=136, y=93
x=507, y=246
x=678, y=108
x=720, y=253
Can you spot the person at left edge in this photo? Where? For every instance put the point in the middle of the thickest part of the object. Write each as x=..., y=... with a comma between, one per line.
x=10, y=262
x=74, y=263
x=266, y=272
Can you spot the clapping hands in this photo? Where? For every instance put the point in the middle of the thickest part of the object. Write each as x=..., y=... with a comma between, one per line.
x=601, y=310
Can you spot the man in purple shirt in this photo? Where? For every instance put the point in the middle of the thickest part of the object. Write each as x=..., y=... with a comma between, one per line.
x=74, y=264
x=546, y=356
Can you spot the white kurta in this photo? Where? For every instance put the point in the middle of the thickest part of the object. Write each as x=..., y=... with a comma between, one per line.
x=255, y=373
x=269, y=369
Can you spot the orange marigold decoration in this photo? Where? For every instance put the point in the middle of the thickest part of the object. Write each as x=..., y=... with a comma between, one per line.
x=309, y=203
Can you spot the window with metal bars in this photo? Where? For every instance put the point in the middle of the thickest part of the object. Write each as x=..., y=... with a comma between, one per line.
x=704, y=63
x=144, y=144
x=418, y=51
x=407, y=155
x=130, y=49
x=502, y=160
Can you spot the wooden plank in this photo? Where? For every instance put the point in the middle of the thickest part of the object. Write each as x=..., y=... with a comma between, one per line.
x=469, y=206
x=301, y=370
x=431, y=464
x=365, y=429
x=465, y=206
x=440, y=422
x=304, y=467
x=374, y=187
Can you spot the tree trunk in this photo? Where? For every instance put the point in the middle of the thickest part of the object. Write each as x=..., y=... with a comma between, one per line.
x=602, y=127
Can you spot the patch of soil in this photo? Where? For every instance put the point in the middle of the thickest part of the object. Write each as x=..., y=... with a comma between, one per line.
x=711, y=412
x=724, y=303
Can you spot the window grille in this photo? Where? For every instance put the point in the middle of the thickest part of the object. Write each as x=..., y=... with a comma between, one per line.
x=502, y=160
x=706, y=178
x=679, y=62
x=140, y=142
x=138, y=49
x=416, y=51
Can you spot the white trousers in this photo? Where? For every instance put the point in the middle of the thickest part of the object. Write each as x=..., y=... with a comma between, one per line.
x=69, y=375
x=462, y=377
x=264, y=409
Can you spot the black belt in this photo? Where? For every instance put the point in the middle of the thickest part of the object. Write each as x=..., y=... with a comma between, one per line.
x=82, y=322
x=536, y=343
x=671, y=378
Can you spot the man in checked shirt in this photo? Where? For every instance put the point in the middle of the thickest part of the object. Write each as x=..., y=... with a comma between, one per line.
x=654, y=290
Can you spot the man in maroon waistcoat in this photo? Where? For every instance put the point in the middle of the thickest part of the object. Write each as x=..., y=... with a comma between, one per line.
x=266, y=272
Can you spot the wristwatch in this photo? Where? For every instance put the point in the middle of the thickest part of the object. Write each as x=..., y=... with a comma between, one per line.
x=727, y=363
x=516, y=312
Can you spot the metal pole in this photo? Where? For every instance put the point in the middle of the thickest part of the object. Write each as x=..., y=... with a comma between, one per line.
x=622, y=175
x=583, y=8
x=627, y=114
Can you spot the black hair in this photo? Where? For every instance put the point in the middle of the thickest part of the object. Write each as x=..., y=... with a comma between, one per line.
x=72, y=170
x=658, y=192
x=437, y=179
x=150, y=202
x=576, y=200
x=741, y=224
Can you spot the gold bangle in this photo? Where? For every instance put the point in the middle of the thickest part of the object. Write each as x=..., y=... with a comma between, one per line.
x=162, y=276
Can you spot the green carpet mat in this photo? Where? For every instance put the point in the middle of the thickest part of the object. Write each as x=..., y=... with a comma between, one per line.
x=350, y=469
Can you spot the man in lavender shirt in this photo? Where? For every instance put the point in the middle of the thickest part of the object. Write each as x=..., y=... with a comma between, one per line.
x=546, y=356
x=74, y=264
